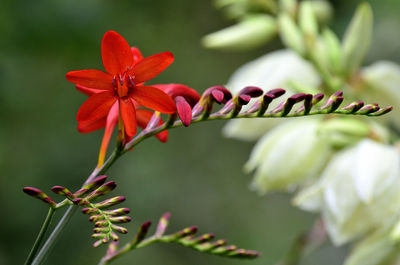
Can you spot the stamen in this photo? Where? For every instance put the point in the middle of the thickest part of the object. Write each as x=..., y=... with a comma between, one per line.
x=114, y=83
x=121, y=81
x=131, y=81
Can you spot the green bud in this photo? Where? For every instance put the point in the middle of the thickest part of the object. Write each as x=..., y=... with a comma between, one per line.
x=357, y=38
x=333, y=50
x=253, y=31
x=291, y=34
x=342, y=132
x=288, y=6
x=322, y=10
x=307, y=20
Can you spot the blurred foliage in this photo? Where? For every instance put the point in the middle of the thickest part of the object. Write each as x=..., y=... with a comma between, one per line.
x=196, y=175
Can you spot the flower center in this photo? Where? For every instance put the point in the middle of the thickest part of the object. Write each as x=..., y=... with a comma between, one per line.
x=123, y=84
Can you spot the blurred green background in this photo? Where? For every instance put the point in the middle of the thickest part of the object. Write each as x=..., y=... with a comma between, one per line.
x=197, y=175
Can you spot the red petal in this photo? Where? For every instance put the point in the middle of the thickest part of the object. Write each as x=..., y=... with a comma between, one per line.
x=128, y=115
x=184, y=110
x=116, y=53
x=91, y=125
x=137, y=55
x=96, y=107
x=143, y=117
x=153, y=98
x=88, y=91
x=91, y=78
x=151, y=66
x=174, y=90
x=112, y=120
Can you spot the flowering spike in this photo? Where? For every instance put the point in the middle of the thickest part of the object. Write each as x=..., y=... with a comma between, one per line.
x=38, y=194
x=97, y=182
x=162, y=225
x=101, y=191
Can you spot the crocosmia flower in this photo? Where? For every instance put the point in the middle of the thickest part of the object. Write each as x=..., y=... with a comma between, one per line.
x=116, y=93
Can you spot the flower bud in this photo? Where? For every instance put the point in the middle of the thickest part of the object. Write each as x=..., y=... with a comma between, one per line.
x=322, y=10
x=289, y=155
x=251, y=32
x=357, y=38
x=291, y=34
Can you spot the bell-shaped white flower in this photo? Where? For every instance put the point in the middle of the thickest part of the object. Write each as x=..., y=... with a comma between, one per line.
x=358, y=191
x=289, y=155
x=382, y=81
x=376, y=248
x=274, y=70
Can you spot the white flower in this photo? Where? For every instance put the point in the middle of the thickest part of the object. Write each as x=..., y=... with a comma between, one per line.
x=289, y=155
x=383, y=86
x=274, y=70
x=358, y=191
x=374, y=249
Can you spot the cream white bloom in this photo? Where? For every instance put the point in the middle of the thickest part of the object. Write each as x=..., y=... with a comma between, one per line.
x=274, y=70
x=288, y=155
x=382, y=85
x=358, y=191
x=376, y=248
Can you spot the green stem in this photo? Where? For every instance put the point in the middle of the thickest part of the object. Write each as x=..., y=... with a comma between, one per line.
x=68, y=214
x=40, y=236
x=53, y=236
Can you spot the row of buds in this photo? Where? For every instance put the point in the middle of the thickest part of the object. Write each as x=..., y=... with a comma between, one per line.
x=105, y=221
x=185, y=237
x=297, y=105
x=308, y=104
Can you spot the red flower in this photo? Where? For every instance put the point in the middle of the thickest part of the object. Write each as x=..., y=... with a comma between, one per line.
x=115, y=95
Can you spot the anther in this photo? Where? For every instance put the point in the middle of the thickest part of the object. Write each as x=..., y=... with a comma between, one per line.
x=131, y=81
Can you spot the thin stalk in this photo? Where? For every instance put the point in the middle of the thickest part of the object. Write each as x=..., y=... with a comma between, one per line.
x=68, y=214
x=40, y=236
x=53, y=236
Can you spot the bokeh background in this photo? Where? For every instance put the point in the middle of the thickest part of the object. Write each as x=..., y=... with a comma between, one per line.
x=197, y=175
